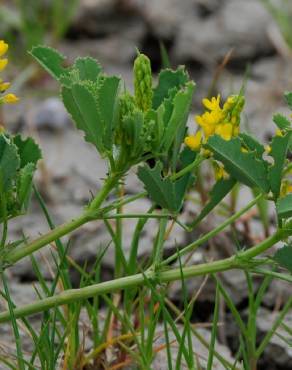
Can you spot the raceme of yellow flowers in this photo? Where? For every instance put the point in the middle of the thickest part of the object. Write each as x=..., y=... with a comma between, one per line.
x=7, y=98
x=216, y=120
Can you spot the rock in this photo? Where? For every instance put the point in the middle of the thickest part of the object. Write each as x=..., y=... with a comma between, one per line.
x=278, y=353
x=237, y=24
x=51, y=114
x=164, y=17
x=161, y=363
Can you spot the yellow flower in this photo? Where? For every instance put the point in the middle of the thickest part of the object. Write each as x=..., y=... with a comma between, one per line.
x=194, y=141
x=4, y=86
x=3, y=64
x=224, y=130
x=286, y=188
x=216, y=120
x=10, y=99
x=279, y=132
x=212, y=104
x=3, y=47
x=219, y=171
x=268, y=149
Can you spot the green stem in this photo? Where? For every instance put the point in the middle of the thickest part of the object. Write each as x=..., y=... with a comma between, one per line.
x=212, y=233
x=199, y=159
x=239, y=261
x=23, y=251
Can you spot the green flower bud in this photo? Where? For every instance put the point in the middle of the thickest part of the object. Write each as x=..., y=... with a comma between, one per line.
x=143, y=82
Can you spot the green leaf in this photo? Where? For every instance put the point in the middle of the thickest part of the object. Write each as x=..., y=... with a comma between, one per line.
x=181, y=107
x=81, y=104
x=132, y=125
x=28, y=150
x=218, y=193
x=167, y=80
x=288, y=98
x=280, y=146
x=244, y=167
x=166, y=193
x=284, y=257
x=252, y=145
x=284, y=207
x=108, y=107
x=88, y=69
x=9, y=162
x=50, y=59
x=282, y=122
x=24, y=185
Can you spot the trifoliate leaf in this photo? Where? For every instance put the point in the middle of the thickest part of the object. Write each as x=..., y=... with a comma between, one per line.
x=81, y=104
x=28, y=150
x=218, y=193
x=244, y=167
x=50, y=59
x=167, y=80
x=166, y=193
x=284, y=207
x=284, y=257
x=281, y=121
x=9, y=162
x=280, y=146
x=181, y=106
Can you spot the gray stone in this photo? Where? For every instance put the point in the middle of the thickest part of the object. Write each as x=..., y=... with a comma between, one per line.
x=278, y=353
x=51, y=114
x=238, y=24
x=200, y=351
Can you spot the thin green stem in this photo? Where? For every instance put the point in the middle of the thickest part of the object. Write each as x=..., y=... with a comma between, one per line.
x=192, y=246
x=240, y=261
x=199, y=159
x=23, y=251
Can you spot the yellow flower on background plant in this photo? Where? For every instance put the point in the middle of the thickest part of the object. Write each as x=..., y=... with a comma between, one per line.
x=3, y=64
x=8, y=98
x=3, y=47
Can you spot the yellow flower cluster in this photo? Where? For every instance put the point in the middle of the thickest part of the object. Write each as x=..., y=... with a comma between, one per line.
x=216, y=120
x=8, y=98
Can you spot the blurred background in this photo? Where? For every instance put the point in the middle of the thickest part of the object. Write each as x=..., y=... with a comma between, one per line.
x=223, y=43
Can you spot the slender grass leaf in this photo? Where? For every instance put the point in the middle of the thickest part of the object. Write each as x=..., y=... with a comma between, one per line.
x=244, y=167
